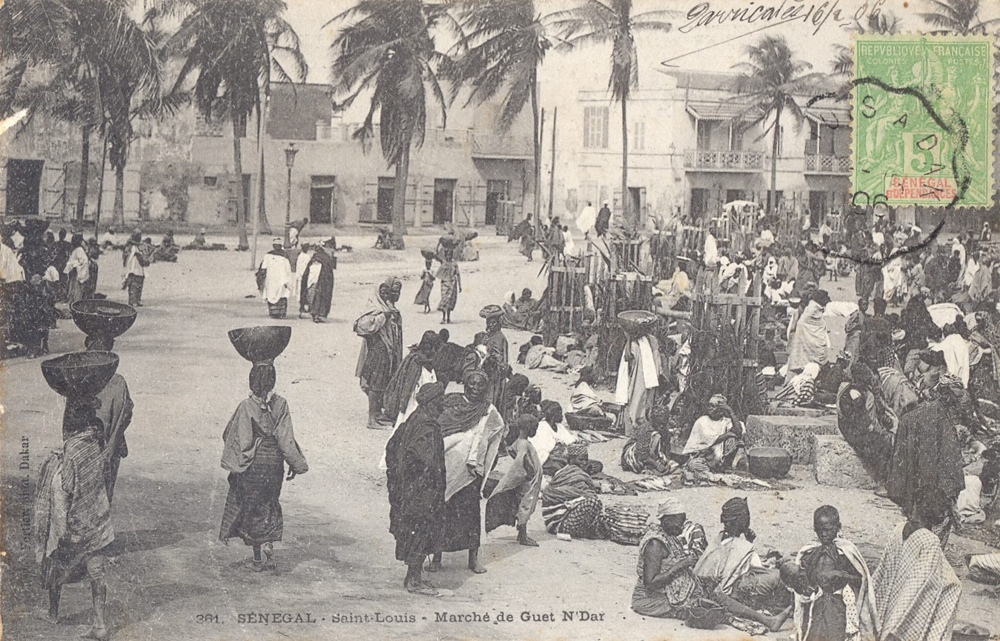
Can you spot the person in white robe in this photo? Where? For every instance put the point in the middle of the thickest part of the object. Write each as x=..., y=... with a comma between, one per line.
x=276, y=285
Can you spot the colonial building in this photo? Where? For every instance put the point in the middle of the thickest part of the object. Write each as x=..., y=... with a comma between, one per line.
x=182, y=169
x=687, y=153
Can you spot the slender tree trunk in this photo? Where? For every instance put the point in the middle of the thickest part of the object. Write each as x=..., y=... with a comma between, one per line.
x=265, y=227
x=631, y=220
x=81, y=192
x=774, y=161
x=100, y=187
x=537, y=140
x=399, y=193
x=118, y=215
x=241, y=205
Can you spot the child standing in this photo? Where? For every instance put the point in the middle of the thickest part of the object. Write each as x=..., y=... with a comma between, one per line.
x=426, y=284
x=451, y=285
x=515, y=496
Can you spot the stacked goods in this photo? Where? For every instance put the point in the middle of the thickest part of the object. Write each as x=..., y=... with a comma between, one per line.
x=627, y=524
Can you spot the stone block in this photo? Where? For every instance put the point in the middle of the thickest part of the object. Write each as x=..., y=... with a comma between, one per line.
x=837, y=465
x=793, y=433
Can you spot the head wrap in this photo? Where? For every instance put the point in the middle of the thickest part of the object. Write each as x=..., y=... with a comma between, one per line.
x=277, y=241
x=717, y=399
x=430, y=340
x=516, y=384
x=670, y=506
x=472, y=374
x=430, y=393
x=735, y=508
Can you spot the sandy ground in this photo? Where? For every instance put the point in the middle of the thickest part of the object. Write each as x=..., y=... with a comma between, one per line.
x=171, y=579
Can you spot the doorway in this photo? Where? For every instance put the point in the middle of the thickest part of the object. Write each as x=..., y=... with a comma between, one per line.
x=321, y=200
x=497, y=191
x=637, y=202
x=817, y=208
x=386, y=191
x=444, y=201
x=24, y=181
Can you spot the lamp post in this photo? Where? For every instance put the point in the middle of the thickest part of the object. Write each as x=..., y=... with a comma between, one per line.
x=289, y=162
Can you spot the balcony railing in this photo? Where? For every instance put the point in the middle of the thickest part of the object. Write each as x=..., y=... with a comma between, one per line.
x=490, y=145
x=822, y=164
x=724, y=160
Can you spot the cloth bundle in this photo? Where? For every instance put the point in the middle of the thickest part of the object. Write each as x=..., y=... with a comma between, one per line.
x=627, y=524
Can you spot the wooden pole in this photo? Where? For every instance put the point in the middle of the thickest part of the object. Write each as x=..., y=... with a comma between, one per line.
x=538, y=174
x=552, y=169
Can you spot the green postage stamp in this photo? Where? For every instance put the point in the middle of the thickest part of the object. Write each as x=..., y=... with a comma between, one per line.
x=923, y=120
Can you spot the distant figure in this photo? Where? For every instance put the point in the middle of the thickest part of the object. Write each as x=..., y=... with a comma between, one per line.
x=587, y=219
x=109, y=240
x=318, y=280
x=77, y=269
x=603, y=223
x=274, y=278
x=427, y=278
x=451, y=284
x=135, y=262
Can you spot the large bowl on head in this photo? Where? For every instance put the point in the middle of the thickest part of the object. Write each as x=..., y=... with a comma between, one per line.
x=81, y=373
x=769, y=462
x=102, y=317
x=637, y=322
x=260, y=344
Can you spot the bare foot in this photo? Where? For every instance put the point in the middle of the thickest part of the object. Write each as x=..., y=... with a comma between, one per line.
x=477, y=569
x=101, y=634
x=47, y=616
x=528, y=541
x=433, y=566
x=779, y=620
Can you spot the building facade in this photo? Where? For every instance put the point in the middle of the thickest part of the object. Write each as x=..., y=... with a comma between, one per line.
x=182, y=169
x=688, y=154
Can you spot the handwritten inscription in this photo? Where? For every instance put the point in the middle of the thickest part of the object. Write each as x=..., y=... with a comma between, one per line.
x=817, y=14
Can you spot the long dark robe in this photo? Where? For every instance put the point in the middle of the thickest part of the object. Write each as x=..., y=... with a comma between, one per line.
x=415, y=478
x=865, y=425
x=401, y=385
x=926, y=457
x=497, y=365
x=322, y=300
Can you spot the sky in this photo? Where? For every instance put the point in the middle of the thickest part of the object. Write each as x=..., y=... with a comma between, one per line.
x=587, y=68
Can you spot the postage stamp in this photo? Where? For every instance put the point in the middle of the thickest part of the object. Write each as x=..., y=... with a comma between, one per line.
x=923, y=120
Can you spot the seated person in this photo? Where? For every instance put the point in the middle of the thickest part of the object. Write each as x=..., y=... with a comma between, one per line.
x=199, y=241
x=539, y=356
x=800, y=391
x=667, y=586
x=826, y=577
x=916, y=590
x=716, y=439
x=584, y=399
x=521, y=313
x=648, y=449
x=734, y=575
x=168, y=249
x=570, y=505
x=552, y=433
x=109, y=240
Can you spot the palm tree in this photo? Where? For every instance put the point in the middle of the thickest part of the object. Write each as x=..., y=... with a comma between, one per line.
x=69, y=39
x=503, y=45
x=601, y=21
x=767, y=83
x=386, y=49
x=881, y=23
x=237, y=47
x=959, y=16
